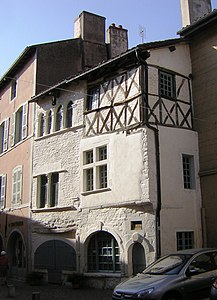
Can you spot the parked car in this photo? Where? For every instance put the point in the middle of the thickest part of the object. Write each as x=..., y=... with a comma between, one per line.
x=186, y=274
x=213, y=293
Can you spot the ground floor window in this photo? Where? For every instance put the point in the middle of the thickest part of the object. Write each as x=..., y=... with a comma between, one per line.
x=103, y=253
x=185, y=240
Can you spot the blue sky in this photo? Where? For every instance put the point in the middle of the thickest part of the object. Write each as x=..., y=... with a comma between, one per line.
x=29, y=22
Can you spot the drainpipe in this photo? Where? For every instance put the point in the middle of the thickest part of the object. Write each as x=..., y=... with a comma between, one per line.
x=144, y=114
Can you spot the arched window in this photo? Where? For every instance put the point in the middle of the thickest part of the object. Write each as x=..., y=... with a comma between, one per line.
x=59, y=118
x=49, y=122
x=103, y=253
x=69, y=114
x=42, y=125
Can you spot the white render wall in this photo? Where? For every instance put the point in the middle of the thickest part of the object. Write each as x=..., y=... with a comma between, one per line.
x=180, y=207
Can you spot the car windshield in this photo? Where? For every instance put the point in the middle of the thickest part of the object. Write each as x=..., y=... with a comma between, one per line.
x=171, y=264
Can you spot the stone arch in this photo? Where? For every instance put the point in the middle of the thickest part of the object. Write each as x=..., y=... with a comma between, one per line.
x=148, y=251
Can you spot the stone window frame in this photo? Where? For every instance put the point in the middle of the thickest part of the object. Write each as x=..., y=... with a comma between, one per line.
x=49, y=190
x=95, y=169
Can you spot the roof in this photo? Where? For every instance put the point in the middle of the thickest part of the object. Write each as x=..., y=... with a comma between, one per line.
x=106, y=67
x=203, y=22
x=22, y=59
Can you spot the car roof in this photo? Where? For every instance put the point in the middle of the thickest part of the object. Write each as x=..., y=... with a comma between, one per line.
x=194, y=251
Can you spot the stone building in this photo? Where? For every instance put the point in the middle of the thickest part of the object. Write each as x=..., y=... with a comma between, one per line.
x=36, y=69
x=115, y=167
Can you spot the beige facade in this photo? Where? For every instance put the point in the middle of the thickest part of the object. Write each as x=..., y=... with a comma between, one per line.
x=120, y=191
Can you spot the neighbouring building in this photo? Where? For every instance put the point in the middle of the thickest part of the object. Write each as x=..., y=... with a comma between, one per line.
x=115, y=167
x=36, y=69
x=202, y=38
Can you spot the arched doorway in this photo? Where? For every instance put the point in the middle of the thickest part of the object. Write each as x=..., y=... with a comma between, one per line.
x=55, y=256
x=17, y=256
x=138, y=258
x=103, y=253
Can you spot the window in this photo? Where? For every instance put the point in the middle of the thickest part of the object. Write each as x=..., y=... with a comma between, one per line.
x=185, y=240
x=42, y=125
x=95, y=173
x=13, y=88
x=103, y=253
x=48, y=189
x=2, y=190
x=59, y=118
x=17, y=185
x=69, y=114
x=167, y=84
x=19, y=124
x=93, y=98
x=49, y=121
x=4, y=135
x=188, y=171
x=136, y=225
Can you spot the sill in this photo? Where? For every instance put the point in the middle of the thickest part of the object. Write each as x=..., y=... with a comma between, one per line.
x=95, y=191
x=54, y=208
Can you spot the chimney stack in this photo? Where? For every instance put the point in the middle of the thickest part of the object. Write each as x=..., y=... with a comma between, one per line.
x=117, y=39
x=193, y=10
x=90, y=28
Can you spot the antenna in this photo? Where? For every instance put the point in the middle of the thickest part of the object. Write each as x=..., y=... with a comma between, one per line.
x=142, y=32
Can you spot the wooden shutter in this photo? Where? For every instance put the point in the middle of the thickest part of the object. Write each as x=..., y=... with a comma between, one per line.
x=3, y=191
x=24, y=120
x=13, y=129
x=6, y=128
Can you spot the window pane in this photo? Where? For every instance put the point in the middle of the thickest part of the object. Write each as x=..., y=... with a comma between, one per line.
x=89, y=157
x=103, y=253
x=69, y=114
x=89, y=179
x=49, y=125
x=59, y=118
x=42, y=125
x=54, y=189
x=185, y=240
x=43, y=191
x=103, y=176
x=93, y=98
x=102, y=153
x=188, y=171
x=167, y=85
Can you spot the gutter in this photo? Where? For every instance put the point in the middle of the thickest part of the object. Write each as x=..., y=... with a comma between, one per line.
x=144, y=93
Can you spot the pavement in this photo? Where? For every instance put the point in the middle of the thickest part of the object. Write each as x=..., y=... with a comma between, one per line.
x=22, y=291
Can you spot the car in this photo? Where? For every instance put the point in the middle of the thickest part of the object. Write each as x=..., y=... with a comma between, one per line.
x=213, y=293
x=185, y=274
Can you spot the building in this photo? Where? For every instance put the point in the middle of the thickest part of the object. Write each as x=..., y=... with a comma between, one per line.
x=36, y=69
x=115, y=166
x=201, y=36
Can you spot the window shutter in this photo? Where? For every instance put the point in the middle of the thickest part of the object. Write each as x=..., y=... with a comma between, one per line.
x=3, y=190
x=6, y=128
x=24, y=121
x=13, y=129
x=14, y=187
x=19, y=184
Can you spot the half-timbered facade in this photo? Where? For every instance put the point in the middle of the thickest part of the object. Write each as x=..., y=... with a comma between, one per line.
x=115, y=166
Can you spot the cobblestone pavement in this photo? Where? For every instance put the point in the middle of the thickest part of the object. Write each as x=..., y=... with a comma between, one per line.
x=21, y=291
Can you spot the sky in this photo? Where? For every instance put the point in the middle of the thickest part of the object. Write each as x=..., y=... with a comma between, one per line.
x=28, y=22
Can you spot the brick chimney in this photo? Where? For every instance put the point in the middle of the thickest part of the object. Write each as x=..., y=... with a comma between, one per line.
x=192, y=10
x=90, y=27
x=117, y=39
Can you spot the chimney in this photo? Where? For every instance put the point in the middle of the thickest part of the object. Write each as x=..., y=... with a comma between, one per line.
x=192, y=10
x=117, y=39
x=90, y=27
